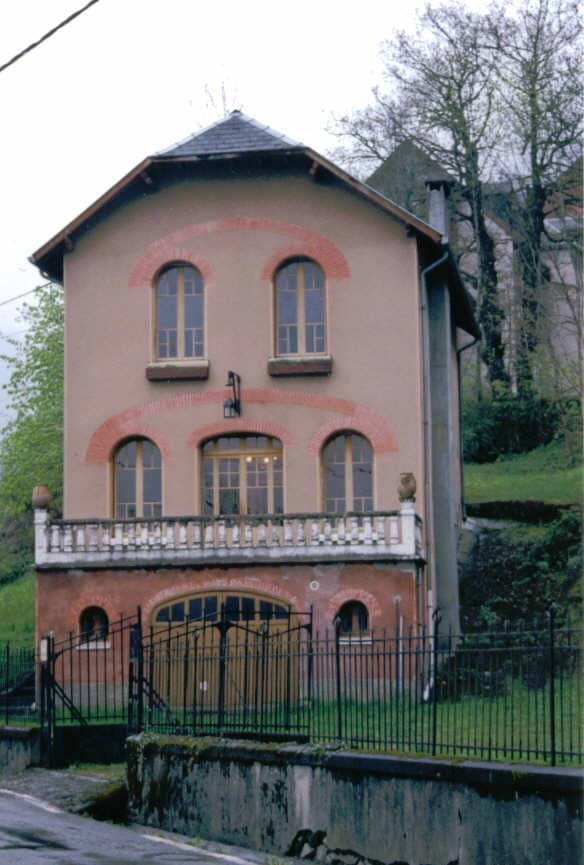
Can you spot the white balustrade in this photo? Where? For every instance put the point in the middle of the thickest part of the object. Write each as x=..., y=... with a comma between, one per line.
x=290, y=537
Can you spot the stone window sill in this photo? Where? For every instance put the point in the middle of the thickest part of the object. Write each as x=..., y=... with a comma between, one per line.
x=91, y=645
x=177, y=370
x=302, y=365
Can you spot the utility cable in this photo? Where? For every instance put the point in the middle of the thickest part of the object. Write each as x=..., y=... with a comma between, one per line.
x=47, y=35
x=24, y=293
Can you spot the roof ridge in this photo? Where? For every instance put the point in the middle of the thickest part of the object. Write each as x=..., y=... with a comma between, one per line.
x=236, y=114
x=269, y=129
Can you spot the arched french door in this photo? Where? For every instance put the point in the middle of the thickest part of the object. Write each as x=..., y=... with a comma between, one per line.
x=224, y=654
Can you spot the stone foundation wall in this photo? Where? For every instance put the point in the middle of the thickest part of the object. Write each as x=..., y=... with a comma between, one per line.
x=20, y=747
x=326, y=805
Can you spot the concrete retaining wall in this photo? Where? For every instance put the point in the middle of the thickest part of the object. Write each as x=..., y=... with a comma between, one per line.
x=312, y=803
x=20, y=747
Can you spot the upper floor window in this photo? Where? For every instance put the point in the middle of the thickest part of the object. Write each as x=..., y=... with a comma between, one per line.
x=347, y=464
x=242, y=475
x=300, y=309
x=137, y=480
x=180, y=313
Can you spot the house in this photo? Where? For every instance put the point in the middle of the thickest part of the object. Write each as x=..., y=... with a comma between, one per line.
x=261, y=366
x=558, y=359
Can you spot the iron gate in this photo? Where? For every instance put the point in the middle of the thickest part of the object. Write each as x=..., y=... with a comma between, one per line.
x=237, y=672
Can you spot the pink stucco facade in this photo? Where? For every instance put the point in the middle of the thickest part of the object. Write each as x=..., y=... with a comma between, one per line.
x=375, y=378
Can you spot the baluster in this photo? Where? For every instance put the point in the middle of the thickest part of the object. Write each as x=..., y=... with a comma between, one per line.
x=55, y=539
x=67, y=539
x=92, y=537
x=170, y=544
x=354, y=530
x=326, y=536
x=275, y=534
x=300, y=532
x=221, y=534
x=80, y=539
x=367, y=536
x=156, y=536
x=182, y=535
x=381, y=529
x=314, y=531
x=287, y=532
x=235, y=538
x=118, y=538
x=144, y=535
x=248, y=533
x=197, y=535
x=261, y=534
x=341, y=534
x=393, y=530
x=209, y=536
x=131, y=537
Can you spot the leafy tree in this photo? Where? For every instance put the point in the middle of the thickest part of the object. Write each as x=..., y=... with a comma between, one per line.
x=31, y=447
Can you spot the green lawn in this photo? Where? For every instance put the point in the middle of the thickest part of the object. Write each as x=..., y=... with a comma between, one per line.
x=542, y=475
x=17, y=612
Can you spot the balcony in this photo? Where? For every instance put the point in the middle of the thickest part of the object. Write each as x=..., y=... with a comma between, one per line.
x=389, y=535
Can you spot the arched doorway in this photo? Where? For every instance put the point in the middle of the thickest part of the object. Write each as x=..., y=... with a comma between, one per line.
x=224, y=659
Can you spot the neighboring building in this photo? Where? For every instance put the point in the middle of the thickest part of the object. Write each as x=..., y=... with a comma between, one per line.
x=335, y=318
x=558, y=362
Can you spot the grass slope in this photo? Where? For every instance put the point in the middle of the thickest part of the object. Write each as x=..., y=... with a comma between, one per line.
x=17, y=612
x=543, y=475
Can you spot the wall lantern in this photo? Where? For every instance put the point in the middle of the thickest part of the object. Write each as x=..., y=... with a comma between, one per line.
x=232, y=406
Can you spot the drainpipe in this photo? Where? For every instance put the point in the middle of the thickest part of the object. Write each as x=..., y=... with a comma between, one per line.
x=429, y=533
x=460, y=446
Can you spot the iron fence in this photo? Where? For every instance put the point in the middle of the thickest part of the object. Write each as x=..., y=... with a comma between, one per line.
x=17, y=683
x=513, y=695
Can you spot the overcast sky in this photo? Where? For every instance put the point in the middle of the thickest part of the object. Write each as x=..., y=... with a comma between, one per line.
x=131, y=77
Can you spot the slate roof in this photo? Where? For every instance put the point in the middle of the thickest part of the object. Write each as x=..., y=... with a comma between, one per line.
x=236, y=134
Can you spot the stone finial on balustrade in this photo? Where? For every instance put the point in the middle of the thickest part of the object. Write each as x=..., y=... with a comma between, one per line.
x=41, y=497
x=407, y=487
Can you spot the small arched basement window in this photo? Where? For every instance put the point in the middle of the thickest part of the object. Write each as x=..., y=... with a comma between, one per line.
x=93, y=625
x=354, y=619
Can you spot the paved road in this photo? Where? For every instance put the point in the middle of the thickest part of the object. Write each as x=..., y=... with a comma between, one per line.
x=36, y=833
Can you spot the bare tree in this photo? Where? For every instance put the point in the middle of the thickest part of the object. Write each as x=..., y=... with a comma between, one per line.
x=440, y=92
x=537, y=48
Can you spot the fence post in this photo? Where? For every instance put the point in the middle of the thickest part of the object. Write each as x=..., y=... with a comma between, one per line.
x=435, y=681
x=223, y=626
x=552, y=687
x=337, y=624
x=7, y=681
x=136, y=677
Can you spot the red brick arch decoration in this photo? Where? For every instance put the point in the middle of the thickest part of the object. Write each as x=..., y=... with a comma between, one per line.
x=370, y=601
x=220, y=584
x=181, y=246
x=349, y=414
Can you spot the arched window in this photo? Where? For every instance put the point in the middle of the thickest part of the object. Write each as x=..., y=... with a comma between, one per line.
x=300, y=308
x=354, y=619
x=179, y=313
x=347, y=465
x=93, y=624
x=242, y=475
x=137, y=480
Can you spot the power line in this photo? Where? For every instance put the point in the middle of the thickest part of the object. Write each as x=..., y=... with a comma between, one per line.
x=48, y=35
x=24, y=294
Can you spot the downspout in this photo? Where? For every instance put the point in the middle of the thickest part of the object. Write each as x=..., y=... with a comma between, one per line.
x=460, y=439
x=429, y=532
